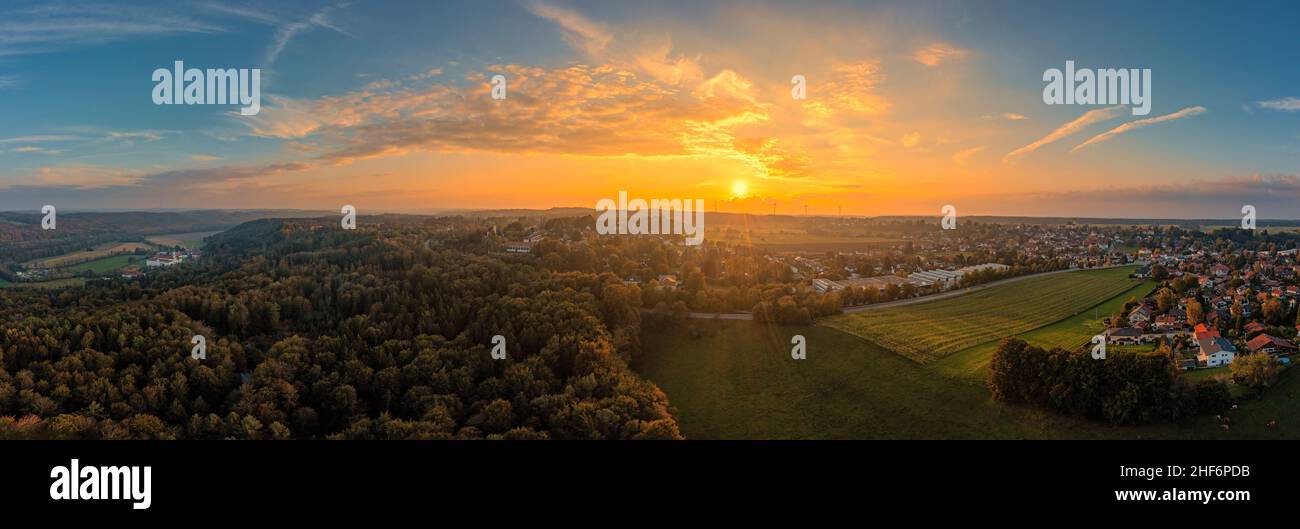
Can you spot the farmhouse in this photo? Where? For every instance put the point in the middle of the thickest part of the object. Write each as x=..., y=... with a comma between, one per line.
x=1141, y=314
x=1253, y=328
x=1168, y=322
x=1265, y=343
x=1123, y=336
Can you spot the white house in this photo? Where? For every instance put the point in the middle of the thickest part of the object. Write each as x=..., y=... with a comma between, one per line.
x=1216, y=351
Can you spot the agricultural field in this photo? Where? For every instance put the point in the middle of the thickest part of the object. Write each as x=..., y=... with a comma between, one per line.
x=737, y=381
x=798, y=240
x=786, y=233
x=927, y=332
x=1067, y=334
x=106, y=264
x=101, y=251
x=192, y=240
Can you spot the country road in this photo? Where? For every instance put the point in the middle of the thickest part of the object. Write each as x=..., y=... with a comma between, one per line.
x=909, y=301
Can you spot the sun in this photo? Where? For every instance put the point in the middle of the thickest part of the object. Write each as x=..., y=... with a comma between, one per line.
x=739, y=189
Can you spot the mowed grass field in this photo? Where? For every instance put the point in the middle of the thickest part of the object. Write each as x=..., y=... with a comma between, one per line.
x=1069, y=333
x=191, y=240
x=106, y=264
x=104, y=250
x=927, y=332
x=739, y=382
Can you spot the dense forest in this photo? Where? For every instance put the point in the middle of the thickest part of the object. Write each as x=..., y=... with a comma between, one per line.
x=312, y=331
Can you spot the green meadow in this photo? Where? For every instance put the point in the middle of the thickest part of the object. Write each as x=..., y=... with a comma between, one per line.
x=737, y=380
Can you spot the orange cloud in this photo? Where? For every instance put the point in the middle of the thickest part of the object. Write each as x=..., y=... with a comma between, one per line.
x=579, y=110
x=937, y=53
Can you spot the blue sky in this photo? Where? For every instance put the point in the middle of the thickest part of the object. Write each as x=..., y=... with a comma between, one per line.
x=912, y=105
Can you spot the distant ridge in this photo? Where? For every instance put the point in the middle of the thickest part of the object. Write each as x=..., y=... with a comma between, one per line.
x=223, y=218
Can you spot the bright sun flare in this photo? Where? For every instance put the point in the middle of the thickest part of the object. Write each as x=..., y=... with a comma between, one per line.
x=739, y=189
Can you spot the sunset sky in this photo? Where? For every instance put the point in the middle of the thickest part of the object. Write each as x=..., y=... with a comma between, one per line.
x=910, y=106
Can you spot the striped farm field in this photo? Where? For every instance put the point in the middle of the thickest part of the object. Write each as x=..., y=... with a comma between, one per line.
x=926, y=332
x=1069, y=333
x=82, y=256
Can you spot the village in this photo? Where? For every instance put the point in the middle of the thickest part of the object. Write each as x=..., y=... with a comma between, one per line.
x=1214, y=294
x=1215, y=305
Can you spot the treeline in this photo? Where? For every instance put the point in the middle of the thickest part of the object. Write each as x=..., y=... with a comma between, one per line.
x=314, y=332
x=1123, y=388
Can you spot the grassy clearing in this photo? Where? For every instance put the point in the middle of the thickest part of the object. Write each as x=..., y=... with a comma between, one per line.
x=191, y=240
x=739, y=382
x=106, y=264
x=101, y=251
x=927, y=332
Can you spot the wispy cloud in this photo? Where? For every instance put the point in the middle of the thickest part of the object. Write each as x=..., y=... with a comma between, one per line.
x=43, y=138
x=1286, y=104
x=1134, y=125
x=580, y=31
x=287, y=32
x=86, y=176
x=937, y=53
x=1009, y=116
x=133, y=135
x=1089, y=118
x=251, y=13
x=651, y=56
x=49, y=27
x=34, y=150
x=964, y=155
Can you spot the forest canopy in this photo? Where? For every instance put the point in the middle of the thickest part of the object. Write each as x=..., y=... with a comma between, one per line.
x=383, y=332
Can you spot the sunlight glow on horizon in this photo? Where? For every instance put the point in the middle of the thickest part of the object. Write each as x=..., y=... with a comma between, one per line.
x=739, y=189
